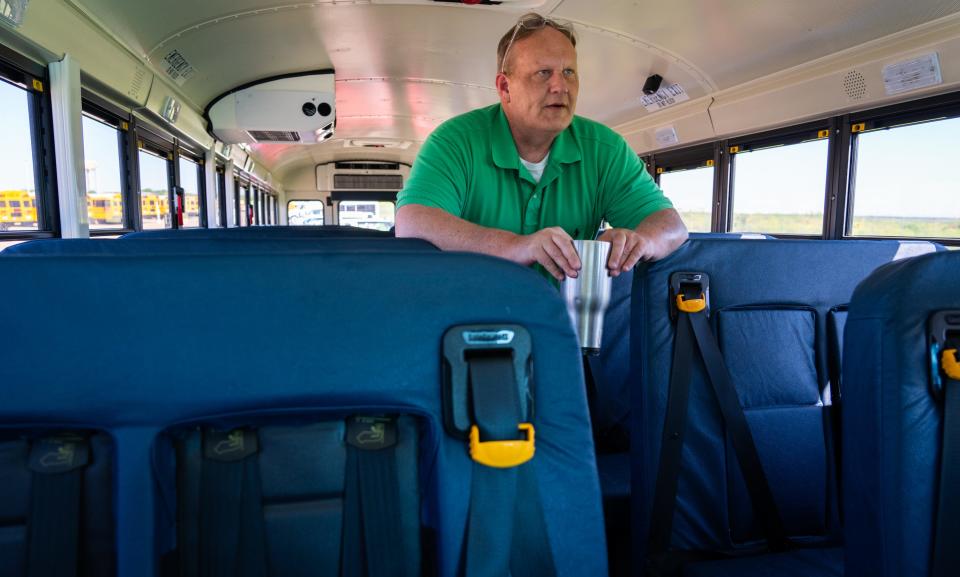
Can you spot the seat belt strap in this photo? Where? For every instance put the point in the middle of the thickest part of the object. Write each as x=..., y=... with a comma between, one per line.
x=671, y=441
x=232, y=534
x=506, y=531
x=743, y=444
x=53, y=525
x=946, y=552
x=371, y=545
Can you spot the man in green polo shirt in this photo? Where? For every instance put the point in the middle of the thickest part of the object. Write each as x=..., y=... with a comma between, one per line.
x=522, y=178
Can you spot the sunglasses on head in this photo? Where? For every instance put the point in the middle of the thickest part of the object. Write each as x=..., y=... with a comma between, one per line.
x=534, y=22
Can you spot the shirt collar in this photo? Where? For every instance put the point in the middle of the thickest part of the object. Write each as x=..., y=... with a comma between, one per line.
x=564, y=150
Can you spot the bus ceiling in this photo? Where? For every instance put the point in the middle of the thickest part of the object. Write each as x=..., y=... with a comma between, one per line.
x=405, y=66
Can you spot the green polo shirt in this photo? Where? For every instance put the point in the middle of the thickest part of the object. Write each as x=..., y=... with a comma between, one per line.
x=469, y=167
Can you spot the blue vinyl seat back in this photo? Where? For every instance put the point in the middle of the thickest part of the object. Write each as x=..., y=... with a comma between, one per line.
x=302, y=473
x=274, y=232
x=177, y=245
x=611, y=373
x=892, y=425
x=770, y=308
x=95, y=557
x=247, y=337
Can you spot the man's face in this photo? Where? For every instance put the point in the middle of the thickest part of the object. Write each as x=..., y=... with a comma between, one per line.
x=539, y=89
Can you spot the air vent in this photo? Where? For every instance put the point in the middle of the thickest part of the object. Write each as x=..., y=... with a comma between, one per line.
x=367, y=165
x=367, y=182
x=377, y=143
x=481, y=2
x=855, y=85
x=274, y=136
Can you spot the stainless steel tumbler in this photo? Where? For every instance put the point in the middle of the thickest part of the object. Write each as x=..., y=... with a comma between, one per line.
x=588, y=295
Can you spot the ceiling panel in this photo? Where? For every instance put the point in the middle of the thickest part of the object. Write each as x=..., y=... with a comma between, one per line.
x=740, y=40
x=403, y=69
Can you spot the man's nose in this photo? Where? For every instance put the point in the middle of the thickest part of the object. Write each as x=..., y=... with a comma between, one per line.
x=558, y=84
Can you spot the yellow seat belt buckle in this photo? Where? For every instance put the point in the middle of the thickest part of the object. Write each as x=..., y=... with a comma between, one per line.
x=502, y=454
x=692, y=305
x=950, y=364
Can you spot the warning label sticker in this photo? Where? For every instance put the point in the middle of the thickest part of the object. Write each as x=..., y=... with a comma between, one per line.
x=177, y=67
x=666, y=97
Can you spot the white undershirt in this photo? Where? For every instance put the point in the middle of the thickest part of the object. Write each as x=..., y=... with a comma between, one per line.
x=536, y=168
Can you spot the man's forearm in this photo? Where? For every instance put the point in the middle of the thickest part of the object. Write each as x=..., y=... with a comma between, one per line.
x=664, y=232
x=451, y=233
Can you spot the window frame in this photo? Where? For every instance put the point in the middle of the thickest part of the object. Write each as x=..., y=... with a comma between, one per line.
x=701, y=156
x=789, y=136
x=324, y=203
x=841, y=160
x=181, y=150
x=152, y=141
x=25, y=74
x=942, y=107
x=103, y=111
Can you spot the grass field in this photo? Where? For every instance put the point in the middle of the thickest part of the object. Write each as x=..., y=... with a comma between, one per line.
x=812, y=224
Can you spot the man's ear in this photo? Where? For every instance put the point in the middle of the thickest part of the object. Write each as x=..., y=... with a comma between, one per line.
x=503, y=87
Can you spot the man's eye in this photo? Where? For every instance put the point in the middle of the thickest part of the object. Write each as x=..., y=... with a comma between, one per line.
x=569, y=72
x=543, y=74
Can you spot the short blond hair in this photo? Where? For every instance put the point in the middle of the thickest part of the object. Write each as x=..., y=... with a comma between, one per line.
x=526, y=25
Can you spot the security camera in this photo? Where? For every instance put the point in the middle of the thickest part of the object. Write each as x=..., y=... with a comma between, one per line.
x=652, y=84
x=324, y=109
x=309, y=109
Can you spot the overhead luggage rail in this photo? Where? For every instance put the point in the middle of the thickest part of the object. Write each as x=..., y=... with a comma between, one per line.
x=330, y=336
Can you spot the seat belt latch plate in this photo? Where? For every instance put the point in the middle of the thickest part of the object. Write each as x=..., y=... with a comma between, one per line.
x=502, y=454
x=943, y=343
x=689, y=293
x=691, y=305
x=950, y=364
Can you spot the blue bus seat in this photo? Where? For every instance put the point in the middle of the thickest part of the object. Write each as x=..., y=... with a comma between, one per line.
x=610, y=412
x=303, y=476
x=275, y=232
x=892, y=424
x=278, y=340
x=769, y=309
x=610, y=370
x=18, y=509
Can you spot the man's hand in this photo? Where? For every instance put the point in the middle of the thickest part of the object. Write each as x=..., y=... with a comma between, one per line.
x=627, y=248
x=654, y=238
x=552, y=248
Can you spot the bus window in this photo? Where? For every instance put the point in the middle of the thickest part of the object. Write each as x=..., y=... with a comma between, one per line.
x=376, y=215
x=154, y=198
x=190, y=183
x=243, y=216
x=17, y=184
x=780, y=190
x=691, y=192
x=924, y=205
x=101, y=153
x=305, y=212
x=216, y=217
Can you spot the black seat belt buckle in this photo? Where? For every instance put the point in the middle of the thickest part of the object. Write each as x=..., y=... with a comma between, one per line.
x=944, y=347
x=689, y=293
x=229, y=446
x=463, y=341
x=371, y=433
x=58, y=454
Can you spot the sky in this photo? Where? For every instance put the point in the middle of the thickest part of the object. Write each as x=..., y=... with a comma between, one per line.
x=905, y=171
